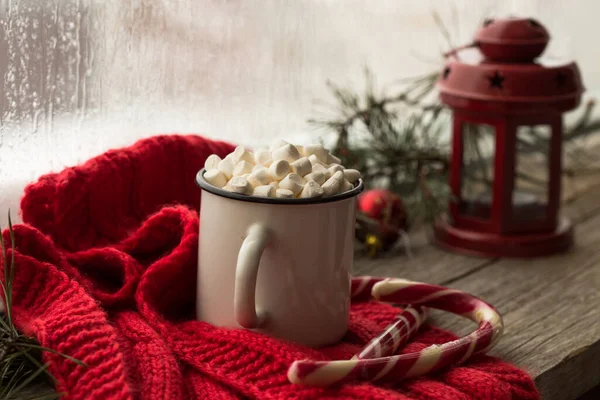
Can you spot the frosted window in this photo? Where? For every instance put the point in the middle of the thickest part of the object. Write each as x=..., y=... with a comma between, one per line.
x=81, y=76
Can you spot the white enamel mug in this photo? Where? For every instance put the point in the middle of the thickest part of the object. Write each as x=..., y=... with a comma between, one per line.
x=278, y=266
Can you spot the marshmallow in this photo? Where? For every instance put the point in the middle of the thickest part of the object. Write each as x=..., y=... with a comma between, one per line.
x=259, y=167
x=215, y=178
x=283, y=171
x=346, y=186
x=284, y=194
x=339, y=175
x=333, y=185
x=264, y=191
x=239, y=184
x=279, y=169
x=212, y=162
x=226, y=166
x=311, y=189
x=333, y=168
x=241, y=154
x=297, y=178
x=331, y=159
x=263, y=157
x=289, y=153
x=322, y=169
x=292, y=182
x=317, y=176
x=318, y=150
x=243, y=167
x=278, y=144
x=351, y=175
x=302, y=166
x=314, y=160
x=259, y=177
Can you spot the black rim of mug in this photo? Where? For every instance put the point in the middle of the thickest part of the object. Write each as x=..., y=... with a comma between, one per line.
x=204, y=185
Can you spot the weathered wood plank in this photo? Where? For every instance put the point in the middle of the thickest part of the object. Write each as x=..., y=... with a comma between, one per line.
x=583, y=206
x=426, y=264
x=550, y=308
x=550, y=305
x=433, y=265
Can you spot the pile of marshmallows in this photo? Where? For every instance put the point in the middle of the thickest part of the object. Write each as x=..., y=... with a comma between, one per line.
x=284, y=171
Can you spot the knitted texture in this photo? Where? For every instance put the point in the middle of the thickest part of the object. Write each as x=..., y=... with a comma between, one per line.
x=106, y=266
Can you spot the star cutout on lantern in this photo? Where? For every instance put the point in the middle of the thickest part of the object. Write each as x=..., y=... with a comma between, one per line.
x=560, y=79
x=446, y=73
x=496, y=80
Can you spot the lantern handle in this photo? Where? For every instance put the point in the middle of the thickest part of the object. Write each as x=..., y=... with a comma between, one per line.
x=454, y=51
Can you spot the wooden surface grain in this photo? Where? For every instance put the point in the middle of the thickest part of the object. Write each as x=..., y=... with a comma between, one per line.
x=425, y=263
x=550, y=305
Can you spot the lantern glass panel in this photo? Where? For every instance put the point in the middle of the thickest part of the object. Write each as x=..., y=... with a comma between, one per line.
x=530, y=196
x=477, y=172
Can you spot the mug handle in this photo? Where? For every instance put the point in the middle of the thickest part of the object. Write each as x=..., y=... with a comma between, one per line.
x=246, y=272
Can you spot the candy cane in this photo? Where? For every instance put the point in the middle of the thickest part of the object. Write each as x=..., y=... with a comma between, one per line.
x=361, y=287
x=396, y=334
x=322, y=373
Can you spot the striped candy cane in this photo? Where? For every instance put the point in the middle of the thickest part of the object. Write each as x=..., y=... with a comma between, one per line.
x=323, y=373
x=396, y=334
x=361, y=287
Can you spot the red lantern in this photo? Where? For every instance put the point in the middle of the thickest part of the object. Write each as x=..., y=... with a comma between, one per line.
x=508, y=106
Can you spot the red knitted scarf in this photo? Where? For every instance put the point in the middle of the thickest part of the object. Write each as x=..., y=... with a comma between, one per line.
x=105, y=272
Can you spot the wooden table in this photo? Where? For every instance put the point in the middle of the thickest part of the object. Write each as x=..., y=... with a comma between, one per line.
x=551, y=306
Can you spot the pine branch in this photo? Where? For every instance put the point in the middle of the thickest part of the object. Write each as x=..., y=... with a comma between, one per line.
x=349, y=103
x=20, y=365
x=395, y=140
x=392, y=139
x=398, y=145
x=584, y=124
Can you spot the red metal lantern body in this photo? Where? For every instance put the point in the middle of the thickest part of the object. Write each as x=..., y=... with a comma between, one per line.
x=499, y=95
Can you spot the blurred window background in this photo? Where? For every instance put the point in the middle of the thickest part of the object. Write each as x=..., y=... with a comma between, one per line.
x=81, y=76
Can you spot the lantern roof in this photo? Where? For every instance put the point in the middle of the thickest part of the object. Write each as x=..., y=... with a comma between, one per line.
x=499, y=71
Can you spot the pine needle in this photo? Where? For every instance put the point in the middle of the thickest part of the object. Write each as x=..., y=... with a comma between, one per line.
x=400, y=141
x=46, y=396
x=35, y=346
x=20, y=365
x=397, y=141
x=27, y=380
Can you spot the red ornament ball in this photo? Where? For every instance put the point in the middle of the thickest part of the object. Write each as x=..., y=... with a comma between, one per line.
x=384, y=206
x=385, y=217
